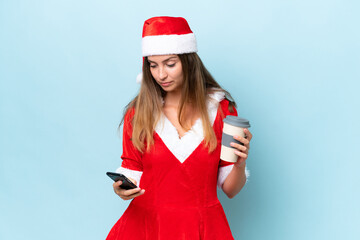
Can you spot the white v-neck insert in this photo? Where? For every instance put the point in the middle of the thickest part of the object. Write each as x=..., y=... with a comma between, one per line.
x=182, y=147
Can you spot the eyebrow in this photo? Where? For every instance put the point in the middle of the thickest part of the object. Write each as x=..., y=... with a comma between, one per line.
x=162, y=61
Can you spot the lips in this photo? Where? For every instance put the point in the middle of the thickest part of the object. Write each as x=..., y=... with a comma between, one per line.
x=166, y=84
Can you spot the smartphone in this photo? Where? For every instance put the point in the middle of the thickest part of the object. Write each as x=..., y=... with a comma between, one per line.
x=126, y=183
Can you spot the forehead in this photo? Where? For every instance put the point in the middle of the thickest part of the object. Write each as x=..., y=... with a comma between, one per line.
x=162, y=58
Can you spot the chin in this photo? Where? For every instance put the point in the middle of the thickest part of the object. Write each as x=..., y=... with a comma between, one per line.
x=168, y=89
x=171, y=89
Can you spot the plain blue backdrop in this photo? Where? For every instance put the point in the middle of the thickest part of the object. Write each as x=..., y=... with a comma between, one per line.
x=68, y=68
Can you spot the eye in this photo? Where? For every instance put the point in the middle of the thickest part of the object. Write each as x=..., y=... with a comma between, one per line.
x=153, y=66
x=171, y=65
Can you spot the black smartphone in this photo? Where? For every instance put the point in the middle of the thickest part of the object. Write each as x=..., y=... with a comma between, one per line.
x=126, y=183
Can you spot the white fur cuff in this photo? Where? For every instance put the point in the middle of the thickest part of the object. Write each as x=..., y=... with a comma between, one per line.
x=224, y=172
x=136, y=175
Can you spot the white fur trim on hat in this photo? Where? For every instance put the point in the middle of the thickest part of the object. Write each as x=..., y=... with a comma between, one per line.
x=168, y=44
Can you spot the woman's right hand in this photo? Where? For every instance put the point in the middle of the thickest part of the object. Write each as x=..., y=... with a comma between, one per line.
x=127, y=194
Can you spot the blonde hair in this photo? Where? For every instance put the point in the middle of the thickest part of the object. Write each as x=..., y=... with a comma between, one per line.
x=198, y=83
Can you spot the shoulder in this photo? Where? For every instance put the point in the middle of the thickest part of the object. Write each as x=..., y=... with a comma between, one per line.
x=129, y=114
x=227, y=107
x=217, y=97
x=128, y=120
x=219, y=104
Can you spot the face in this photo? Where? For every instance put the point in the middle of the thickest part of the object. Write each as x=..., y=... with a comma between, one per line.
x=167, y=71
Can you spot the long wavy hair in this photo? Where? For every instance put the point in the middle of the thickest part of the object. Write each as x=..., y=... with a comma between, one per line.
x=198, y=83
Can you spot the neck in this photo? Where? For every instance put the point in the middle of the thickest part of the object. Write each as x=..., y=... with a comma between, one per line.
x=172, y=99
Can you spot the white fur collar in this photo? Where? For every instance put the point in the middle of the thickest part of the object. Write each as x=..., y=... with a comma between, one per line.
x=182, y=148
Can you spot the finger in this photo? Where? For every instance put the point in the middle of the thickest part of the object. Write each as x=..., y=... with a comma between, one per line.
x=241, y=139
x=117, y=188
x=248, y=134
x=117, y=184
x=133, y=195
x=241, y=154
x=138, y=194
x=238, y=146
x=131, y=191
x=133, y=180
x=125, y=198
x=123, y=193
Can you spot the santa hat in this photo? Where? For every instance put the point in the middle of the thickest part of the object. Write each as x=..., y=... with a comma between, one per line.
x=167, y=35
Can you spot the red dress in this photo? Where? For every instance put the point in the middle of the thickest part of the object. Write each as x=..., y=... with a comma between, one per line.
x=180, y=199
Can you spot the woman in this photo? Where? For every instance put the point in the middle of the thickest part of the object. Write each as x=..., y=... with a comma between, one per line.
x=171, y=143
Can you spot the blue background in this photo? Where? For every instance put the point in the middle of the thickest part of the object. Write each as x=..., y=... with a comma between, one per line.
x=68, y=68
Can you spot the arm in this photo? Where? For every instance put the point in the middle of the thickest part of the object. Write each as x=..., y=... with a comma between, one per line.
x=236, y=179
x=131, y=165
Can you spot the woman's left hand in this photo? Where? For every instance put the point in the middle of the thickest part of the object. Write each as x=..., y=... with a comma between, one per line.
x=242, y=150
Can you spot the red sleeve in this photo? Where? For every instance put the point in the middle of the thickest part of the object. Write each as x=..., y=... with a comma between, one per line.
x=225, y=109
x=224, y=104
x=131, y=157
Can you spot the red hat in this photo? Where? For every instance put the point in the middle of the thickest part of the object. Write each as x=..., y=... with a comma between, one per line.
x=167, y=35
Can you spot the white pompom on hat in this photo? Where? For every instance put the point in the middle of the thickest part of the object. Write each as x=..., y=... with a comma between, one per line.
x=167, y=35
x=139, y=78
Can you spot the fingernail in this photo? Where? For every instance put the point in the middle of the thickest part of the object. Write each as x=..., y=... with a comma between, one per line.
x=232, y=144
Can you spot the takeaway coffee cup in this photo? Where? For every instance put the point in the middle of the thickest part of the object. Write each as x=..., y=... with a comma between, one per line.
x=232, y=126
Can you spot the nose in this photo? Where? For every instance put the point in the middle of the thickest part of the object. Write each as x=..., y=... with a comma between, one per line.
x=162, y=73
